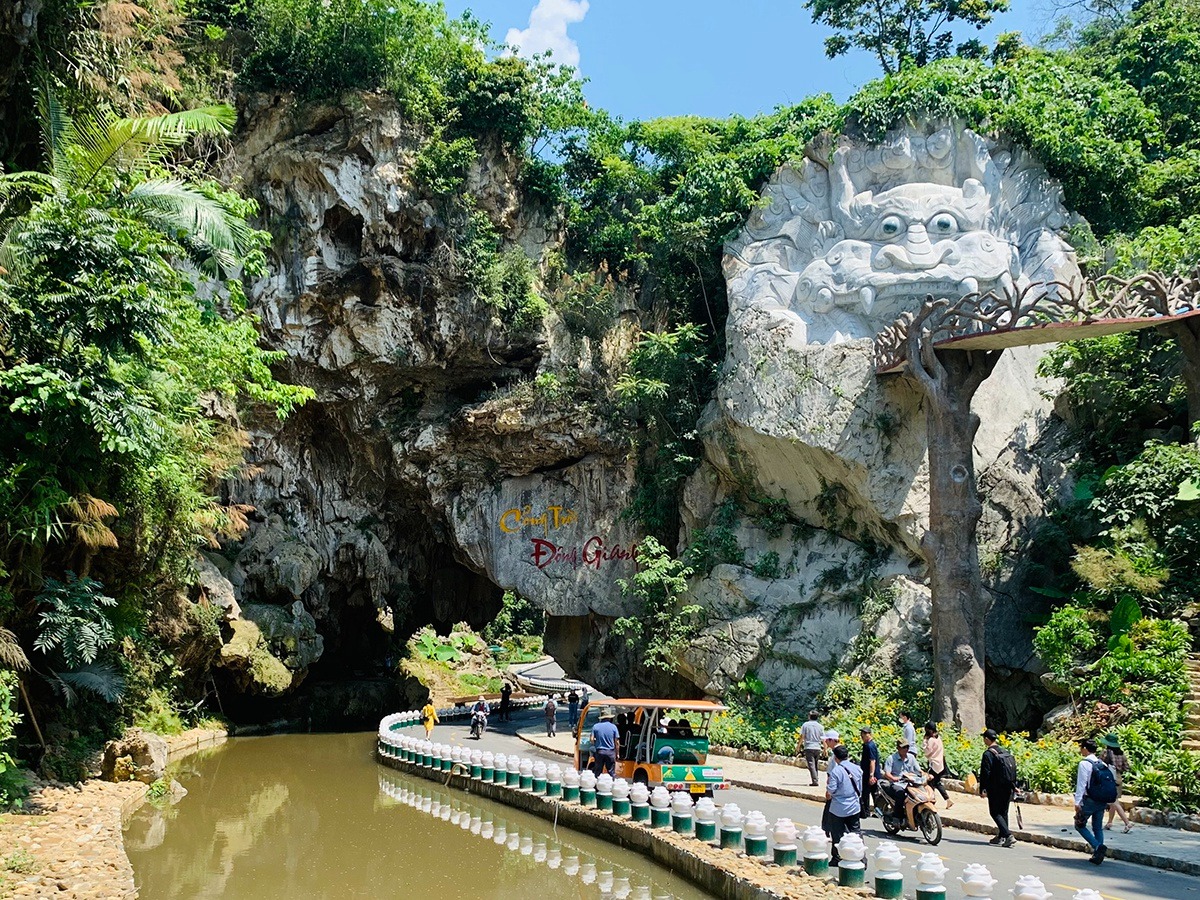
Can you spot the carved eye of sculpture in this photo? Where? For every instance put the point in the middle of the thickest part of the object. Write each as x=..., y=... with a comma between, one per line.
x=943, y=223
x=891, y=226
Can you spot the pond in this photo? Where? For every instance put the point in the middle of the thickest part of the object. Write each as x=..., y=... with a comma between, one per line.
x=313, y=815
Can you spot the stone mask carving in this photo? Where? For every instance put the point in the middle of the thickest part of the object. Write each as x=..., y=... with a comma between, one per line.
x=856, y=235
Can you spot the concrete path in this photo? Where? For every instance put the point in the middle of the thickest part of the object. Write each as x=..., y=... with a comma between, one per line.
x=775, y=790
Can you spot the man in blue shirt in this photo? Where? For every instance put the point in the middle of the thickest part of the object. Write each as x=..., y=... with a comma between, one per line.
x=606, y=742
x=899, y=764
x=843, y=787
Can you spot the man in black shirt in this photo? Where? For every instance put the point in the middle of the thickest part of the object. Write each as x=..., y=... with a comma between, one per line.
x=870, y=770
x=996, y=785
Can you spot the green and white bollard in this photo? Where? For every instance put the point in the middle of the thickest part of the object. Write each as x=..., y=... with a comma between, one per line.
x=620, y=798
x=476, y=764
x=755, y=829
x=931, y=872
x=660, y=808
x=499, y=772
x=706, y=819
x=889, y=881
x=731, y=826
x=554, y=780
x=682, y=813
x=639, y=802
x=816, y=851
x=539, y=778
x=526, y=776
x=587, y=788
x=513, y=777
x=487, y=764
x=783, y=836
x=570, y=786
x=852, y=875
x=852, y=870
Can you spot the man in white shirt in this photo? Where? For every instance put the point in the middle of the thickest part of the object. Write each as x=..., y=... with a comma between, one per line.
x=811, y=734
x=1087, y=808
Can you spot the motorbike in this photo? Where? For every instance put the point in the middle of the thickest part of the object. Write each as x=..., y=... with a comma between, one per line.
x=919, y=812
x=478, y=724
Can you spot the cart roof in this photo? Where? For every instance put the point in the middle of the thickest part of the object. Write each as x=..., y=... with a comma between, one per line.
x=682, y=705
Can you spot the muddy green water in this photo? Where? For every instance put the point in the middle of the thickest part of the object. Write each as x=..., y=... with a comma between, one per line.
x=309, y=816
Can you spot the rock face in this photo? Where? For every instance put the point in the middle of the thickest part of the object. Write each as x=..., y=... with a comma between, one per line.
x=452, y=452
x=136, y=756
x=842, y=245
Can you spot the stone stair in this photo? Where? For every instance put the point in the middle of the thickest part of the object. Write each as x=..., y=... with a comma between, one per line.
x=1191, y=705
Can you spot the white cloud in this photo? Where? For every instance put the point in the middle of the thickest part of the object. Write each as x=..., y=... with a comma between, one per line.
x=548, y=30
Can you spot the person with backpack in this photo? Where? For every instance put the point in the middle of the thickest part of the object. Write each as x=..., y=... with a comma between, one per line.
x=997, y=782
x=1114, y=757
x=1095, y=789
x=551, y=712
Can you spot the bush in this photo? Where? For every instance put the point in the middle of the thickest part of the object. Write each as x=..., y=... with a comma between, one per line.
x=12, y=779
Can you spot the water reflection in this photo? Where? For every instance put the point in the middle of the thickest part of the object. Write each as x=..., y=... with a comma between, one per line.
x=529, y=838
x=314, y=816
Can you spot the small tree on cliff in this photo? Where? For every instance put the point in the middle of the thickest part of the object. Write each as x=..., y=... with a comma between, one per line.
x=899, y=32
x=661, y=628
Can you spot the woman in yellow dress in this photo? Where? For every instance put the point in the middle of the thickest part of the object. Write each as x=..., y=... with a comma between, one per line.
x=429, y=717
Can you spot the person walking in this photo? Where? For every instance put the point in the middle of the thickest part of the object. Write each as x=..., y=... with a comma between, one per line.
x=997, y=781
x=831, y=739
x=869, y=763
x=551, y=711
x=935, y=757
x=572, y=709
x=811, y=734
x=843, y=790
x=908, y=730
x=606, y=744
x=1114, y=758
x=1095, y=789
x=505, y=700
x=429, y=717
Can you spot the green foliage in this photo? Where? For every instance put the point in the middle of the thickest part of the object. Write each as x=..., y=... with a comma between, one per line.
x=73, y=622
x=663, y=627
x=1118, y=387
x=767, y=565
x=20, y=862
x=12, y=780
x=900, y=33
x=716, y=543
x=517, y=616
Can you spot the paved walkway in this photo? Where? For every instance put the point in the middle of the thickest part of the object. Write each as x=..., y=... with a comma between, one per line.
x=1164, y=848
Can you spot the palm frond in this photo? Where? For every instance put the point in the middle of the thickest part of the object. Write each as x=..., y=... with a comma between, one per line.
x=216, y=235
x=17, y=185
x=139, y=143
x=58, y=133
x=99, y=678
x=11, y=654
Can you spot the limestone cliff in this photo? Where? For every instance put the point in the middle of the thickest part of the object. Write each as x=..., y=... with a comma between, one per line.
x=435, y=468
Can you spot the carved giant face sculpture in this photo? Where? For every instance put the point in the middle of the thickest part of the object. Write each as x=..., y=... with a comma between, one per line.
x=912, y=240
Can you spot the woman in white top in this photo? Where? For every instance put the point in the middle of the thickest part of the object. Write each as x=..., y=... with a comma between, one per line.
x=935, y=755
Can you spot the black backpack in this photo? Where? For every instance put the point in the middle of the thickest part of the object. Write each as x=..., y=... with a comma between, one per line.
x=1004, y=768
x=1102, y=786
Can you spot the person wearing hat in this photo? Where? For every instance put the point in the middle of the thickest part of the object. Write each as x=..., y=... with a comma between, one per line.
x=606, y=744
x=869, y=762
x=902, y=762
x=843, y=787
x=997, y=785
x=1114, y=756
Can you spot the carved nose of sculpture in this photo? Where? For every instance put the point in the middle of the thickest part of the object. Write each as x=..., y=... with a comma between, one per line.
x=917, y=243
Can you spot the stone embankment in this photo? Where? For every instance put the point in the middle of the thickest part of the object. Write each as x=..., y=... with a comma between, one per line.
x=67, y=841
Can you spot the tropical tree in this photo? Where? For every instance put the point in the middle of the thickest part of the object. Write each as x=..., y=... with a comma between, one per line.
x=899, y=32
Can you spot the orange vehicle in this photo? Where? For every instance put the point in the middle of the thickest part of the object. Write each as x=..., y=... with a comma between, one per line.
x=661, y=742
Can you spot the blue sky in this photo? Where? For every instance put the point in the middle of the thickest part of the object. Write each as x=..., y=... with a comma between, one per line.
x=648, y=58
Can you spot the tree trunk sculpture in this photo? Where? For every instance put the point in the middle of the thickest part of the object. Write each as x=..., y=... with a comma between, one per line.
x=1186, y=334
x=948, y=381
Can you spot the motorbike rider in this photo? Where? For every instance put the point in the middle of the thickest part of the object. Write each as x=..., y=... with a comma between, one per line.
x=901, y=763
x=481, y=708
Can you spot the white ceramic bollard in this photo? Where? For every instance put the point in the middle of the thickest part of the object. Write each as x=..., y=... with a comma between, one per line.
x=639, y=802
x=706, y=819
x=513, y=773
x=755, y=829
x=620, y=797
x=852, y=863
x=1087, y=894
x=816, y=850
x=783, y=836
x=889, y=881
x=682, y=812
x=931, y=873
x=731, y=826
x=526, y=775
x=660, y=807
x=604, y=793
x=1030, y=887
x=587, y=788
x=554, y=780
x=977, y=881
